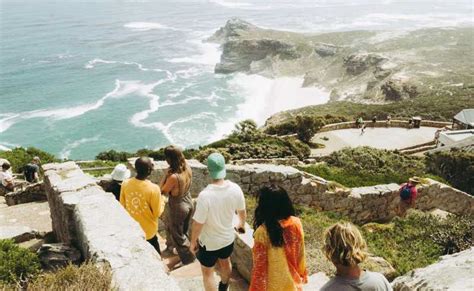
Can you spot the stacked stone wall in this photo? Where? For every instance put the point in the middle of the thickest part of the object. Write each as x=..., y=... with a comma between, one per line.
x=93, y=221
x=361, y=205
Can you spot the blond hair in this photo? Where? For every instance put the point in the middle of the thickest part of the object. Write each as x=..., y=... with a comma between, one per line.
x=344, y=245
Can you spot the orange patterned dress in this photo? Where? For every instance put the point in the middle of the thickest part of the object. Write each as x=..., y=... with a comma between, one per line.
x=279, y=268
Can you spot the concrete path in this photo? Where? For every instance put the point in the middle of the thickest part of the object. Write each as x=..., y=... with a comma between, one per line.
x=382, y=138
x=189, y=277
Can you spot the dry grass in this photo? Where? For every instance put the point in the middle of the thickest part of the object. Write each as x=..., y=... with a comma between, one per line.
x=73, y=278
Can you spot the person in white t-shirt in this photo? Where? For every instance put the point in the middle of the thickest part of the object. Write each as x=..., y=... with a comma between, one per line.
x=212, y=239
x=6, y=177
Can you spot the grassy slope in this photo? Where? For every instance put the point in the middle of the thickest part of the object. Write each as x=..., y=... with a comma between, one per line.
x=441, y=106
x=413, y=242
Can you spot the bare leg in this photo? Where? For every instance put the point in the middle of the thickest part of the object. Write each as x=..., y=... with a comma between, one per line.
x=208, y=278
x=225, y=268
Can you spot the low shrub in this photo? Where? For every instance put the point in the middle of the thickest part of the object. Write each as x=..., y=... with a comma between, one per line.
x=16, y=263
x=419, y=239
x=455, y=166
x=113, y=155
x=19, y=157
x=364, y=166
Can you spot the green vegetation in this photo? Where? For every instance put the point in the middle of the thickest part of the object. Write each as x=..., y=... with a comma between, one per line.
x=98, y=168
x=19, y=157
x=305, y=126
x=20, y=269
x=365, y=166
x=247, y=142
x=440, y=107
x=16, y=263
x=419, y=239
x=406, y=243
x=456, y=166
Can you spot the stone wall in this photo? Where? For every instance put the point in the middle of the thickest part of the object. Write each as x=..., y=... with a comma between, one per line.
x=92, y=220
x=383, y=123
x=362, y=204
x=29, y=193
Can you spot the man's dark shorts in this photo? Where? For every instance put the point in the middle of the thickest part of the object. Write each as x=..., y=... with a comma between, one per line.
x=209, y=258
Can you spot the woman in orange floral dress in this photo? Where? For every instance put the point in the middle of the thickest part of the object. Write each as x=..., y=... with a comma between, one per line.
x=278, y=251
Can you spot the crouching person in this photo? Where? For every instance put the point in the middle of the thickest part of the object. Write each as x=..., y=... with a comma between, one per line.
x=213, y=235
x=346, y=249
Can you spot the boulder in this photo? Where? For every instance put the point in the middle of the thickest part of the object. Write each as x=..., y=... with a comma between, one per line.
x=326, y=50
x=57, y=255
x=358, y=63
x=452, y=272
x=380, y=265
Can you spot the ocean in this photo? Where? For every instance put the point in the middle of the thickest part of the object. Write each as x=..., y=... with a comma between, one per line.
x=80, y=77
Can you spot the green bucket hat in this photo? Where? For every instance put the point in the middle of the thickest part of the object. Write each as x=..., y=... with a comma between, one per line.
x=216, y=166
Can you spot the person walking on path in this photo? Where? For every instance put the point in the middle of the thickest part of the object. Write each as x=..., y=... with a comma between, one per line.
x=408, y=193
x=213, y=235
x=31, y=170
x=278, y=251
x=345, y=247
x=177, y=183
x=119, y=174
x=142, y=200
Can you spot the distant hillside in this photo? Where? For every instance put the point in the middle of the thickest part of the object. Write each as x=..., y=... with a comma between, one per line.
x=360, y=66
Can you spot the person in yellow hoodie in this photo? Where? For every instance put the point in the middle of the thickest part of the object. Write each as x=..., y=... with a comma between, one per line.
x=142, y=200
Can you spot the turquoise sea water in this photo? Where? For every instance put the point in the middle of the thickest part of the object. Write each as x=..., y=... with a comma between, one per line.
x=80, y=77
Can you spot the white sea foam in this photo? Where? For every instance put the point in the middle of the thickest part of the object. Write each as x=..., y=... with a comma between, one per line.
x=66, y=151
x=265, y=97
x=231, y=4
x=209, y=54
x=121, y=89
x=91, y=64
x=146, y=26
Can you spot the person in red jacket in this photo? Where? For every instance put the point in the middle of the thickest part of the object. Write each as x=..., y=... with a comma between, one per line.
x=408, y=193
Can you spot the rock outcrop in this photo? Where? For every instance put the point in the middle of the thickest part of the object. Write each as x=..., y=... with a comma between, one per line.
x=30, y=193
x=58, y=255
x=238, y=55
x=353, y=65
x=452, y=272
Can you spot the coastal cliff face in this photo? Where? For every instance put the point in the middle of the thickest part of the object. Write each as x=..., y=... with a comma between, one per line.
x=360, y=66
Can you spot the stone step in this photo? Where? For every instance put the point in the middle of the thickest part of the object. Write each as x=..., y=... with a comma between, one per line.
x=316, y=281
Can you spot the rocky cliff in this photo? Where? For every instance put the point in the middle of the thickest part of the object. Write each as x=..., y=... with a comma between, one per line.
x=361, y=66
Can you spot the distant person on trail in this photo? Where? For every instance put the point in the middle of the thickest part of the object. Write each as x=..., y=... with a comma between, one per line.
x=362, y=129
x=31, y=170
x=408, y=193
x=142, y=200
x=213, y=235
x=119, y=174
x=6, y=177
x=374, y=120
x=389, y=120
x=177, y=184
x=278, y=250
x=345, y=247
x=359, y=122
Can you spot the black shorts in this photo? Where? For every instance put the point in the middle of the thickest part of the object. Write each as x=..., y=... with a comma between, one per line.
x=209, y=258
